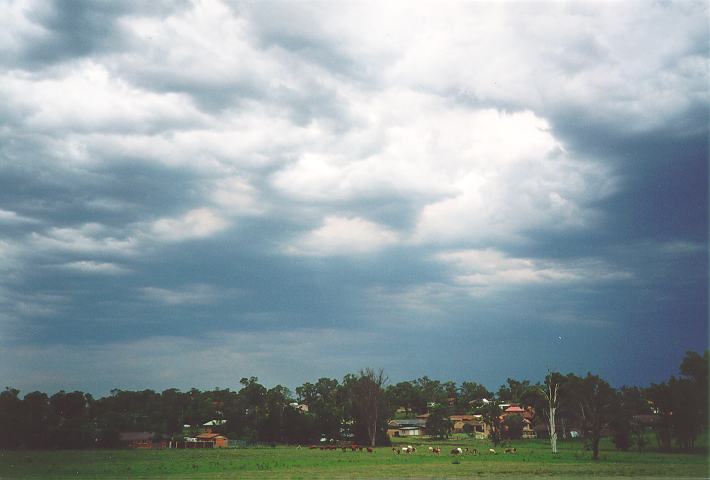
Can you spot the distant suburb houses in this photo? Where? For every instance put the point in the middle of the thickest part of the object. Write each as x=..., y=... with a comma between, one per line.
x=468, y=423
x=207, y=435
x=206, y=438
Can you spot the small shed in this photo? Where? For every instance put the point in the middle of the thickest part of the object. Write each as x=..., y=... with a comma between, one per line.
x=406, y=428
x=137, y=439
x=219, y=441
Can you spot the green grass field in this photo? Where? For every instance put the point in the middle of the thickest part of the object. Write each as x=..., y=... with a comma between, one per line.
x=533, y=459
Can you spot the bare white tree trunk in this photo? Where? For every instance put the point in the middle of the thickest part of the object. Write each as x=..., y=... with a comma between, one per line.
x=551, y=396
x=553, y=430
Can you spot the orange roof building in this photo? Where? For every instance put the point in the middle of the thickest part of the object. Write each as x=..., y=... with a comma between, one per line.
x=220, y=441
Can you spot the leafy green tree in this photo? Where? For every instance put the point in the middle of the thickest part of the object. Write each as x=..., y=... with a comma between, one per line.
x=368, y=405
x=39, y=420
x=299, y=427
x=173, y=404
x=471, y=393
x=438, y=424
x=326, y=402
x=277, y=399
x=513, y=391
x=662, y=400
x=694, y=368
x=491, y=415
x=681, y=403
x=404, y=395
x=625, y=433
x=512, y=427
x=253, y=396
x=429, y=392
x=599, y=404
x=75, y=428
x=10, y=418
x=686, y=411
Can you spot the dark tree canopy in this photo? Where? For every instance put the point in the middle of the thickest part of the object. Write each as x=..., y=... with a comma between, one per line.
x=358, y=409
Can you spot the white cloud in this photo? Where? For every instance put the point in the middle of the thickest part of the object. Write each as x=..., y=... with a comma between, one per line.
x=204, y=46
x=343, y=236
x=590, y=59
x=191, y=295
x=481, y=271
x=87, y=98
x=197, y=223
x=93, y=267
x=8, y=216
x=131, y=239
x=88, y=238
x=474, y=174
x=236, y=195
x=9, y=255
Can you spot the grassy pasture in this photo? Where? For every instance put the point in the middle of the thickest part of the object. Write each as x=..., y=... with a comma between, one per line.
x=533, y=459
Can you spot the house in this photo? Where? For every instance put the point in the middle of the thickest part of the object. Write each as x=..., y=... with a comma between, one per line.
x=526, y=414
x=459, y=423
x=301, y=407
x=528, y=430
x=477, y=425
x=645, y=422
x=513, y=410
x=406, y=428
x=217, y=440
x=137, y=439
x=209, y=427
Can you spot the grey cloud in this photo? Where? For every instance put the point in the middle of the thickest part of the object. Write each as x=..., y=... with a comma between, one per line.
x=65, y=30
x=150, y=201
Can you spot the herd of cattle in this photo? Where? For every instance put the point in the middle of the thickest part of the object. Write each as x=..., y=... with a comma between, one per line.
x=409, y=449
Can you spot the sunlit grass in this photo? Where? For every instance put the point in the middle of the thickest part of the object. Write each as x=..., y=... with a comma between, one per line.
x=533, y=458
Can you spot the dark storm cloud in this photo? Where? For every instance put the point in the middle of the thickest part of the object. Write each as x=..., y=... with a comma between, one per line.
x=301, y=191
x=73, y=29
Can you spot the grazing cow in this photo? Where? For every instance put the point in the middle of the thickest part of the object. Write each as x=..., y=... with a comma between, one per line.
x=510, y=450
x=436, y=450
x=370, y=450
x=490, y=450
x=456, y=451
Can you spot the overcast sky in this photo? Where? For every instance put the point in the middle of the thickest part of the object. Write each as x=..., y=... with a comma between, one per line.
x=193, y=192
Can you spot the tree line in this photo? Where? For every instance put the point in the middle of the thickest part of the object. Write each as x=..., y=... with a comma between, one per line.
x=358, y=407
